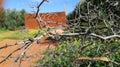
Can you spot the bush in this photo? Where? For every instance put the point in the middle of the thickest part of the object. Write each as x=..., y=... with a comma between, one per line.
x=66, y=53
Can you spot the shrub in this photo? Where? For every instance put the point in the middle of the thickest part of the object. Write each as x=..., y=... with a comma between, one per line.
x=66, y=53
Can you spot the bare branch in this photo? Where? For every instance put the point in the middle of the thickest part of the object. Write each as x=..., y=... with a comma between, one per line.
x=12, y=53
x=15, y=57
x=39, y=7
x=6, y=46
x=91, y=34
x=94, y=59
x=23, y=52
x=105, y=59
x=105, y=37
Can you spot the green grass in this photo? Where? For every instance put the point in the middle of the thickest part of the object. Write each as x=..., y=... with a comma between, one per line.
x=19, y=35
x=3, y=30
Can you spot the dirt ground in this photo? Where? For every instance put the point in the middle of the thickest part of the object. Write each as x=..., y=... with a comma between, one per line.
x=33, y=52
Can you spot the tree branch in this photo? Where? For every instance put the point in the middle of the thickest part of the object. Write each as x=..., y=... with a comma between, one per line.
x=105, y=59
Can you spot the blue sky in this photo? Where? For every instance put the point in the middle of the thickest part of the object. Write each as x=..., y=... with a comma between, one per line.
x=51, y=6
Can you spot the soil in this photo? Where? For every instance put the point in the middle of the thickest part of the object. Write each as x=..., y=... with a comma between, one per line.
x=33, y=52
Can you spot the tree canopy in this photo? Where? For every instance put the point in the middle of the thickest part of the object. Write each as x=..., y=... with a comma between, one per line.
x=12, y=19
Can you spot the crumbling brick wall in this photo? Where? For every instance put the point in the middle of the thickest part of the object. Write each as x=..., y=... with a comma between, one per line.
x=52, y=19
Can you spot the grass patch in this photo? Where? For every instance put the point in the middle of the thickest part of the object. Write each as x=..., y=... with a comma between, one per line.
x=19, y=35
x=3, y=30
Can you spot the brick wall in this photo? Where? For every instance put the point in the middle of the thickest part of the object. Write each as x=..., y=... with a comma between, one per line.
x=1, y=2
x=52, y=19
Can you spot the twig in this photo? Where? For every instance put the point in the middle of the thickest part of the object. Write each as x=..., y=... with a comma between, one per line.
x=6, y=46
x=15, y=57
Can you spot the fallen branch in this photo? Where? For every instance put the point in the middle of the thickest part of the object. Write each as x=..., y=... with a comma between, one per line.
x=91, y=34
x=104, y=59
x=25, y=44
x=31, y=40
x=105, y=37
x=93, y=59
x=23, y=52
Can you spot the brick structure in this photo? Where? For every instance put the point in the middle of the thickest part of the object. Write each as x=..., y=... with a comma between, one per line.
x=1, y=2
x=52, y=19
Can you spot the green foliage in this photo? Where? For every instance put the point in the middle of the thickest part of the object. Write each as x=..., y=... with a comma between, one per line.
x=13, y=19
x=66, y=53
